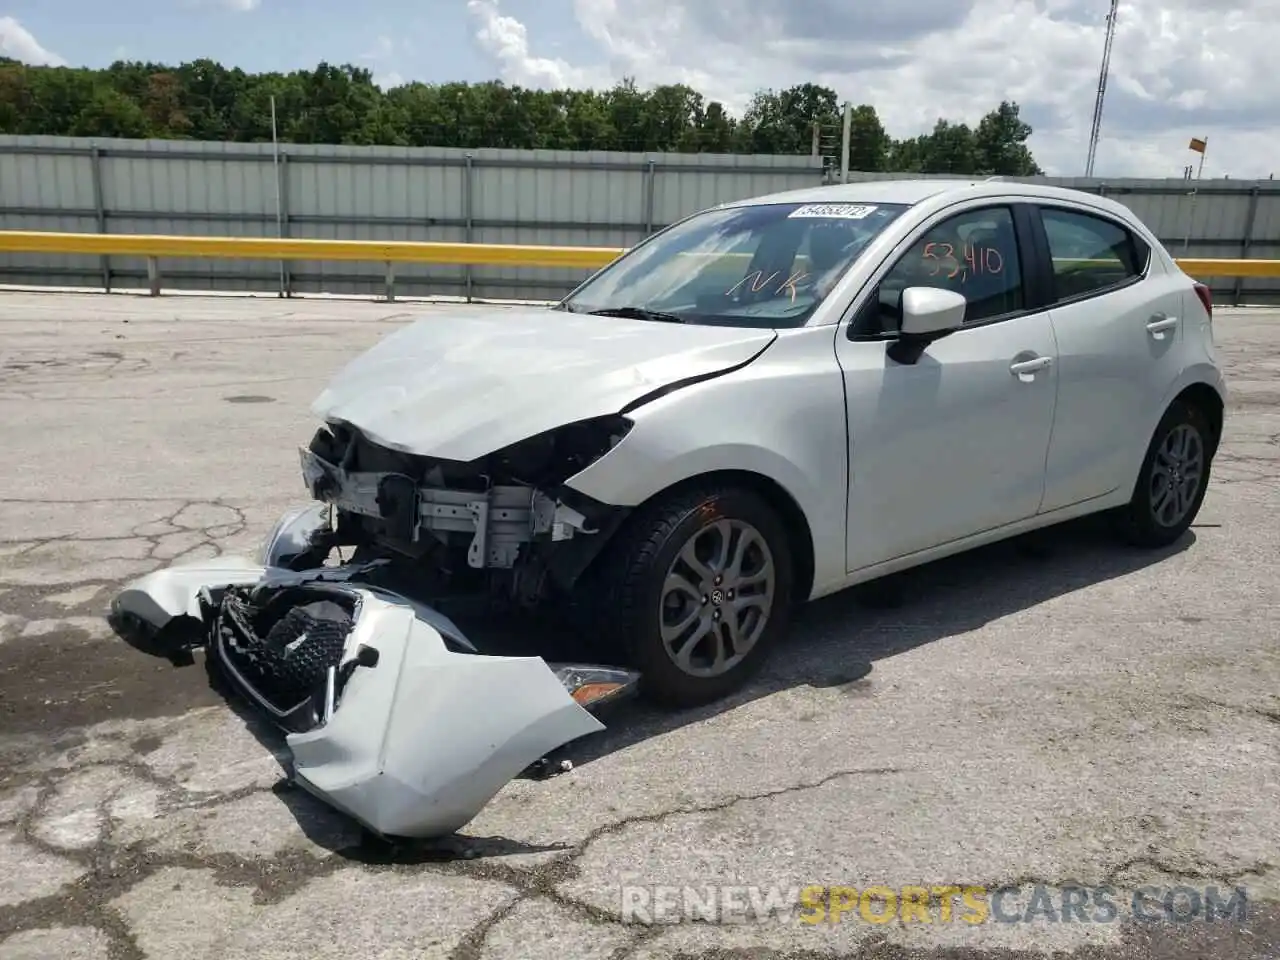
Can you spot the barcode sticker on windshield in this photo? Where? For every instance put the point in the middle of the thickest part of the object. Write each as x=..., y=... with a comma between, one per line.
x=839, y=211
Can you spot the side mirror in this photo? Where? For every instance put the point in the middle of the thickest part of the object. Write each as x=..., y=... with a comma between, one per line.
x=931, y=312
x=928, y=314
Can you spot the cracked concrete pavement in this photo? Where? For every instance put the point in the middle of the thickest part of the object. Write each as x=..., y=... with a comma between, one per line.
x=1059, y=712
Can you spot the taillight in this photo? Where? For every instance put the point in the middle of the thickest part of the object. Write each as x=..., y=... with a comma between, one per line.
x=1206, y=297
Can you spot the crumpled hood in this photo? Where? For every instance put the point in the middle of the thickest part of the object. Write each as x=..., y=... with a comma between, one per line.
x=461, y=384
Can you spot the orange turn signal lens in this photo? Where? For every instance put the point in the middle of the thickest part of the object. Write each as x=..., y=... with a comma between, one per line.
x=591, y=692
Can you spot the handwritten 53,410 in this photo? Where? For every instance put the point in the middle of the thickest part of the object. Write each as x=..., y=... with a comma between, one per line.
x=973, y=261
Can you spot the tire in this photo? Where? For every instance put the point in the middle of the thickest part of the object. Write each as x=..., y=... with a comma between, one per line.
x=1150, y=520
x=627, y=595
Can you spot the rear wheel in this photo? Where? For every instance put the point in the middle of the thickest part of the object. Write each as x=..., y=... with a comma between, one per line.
x=1173, y=481
x=697, y=589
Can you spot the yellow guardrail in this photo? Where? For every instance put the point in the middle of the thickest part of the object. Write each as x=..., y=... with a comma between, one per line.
x=272, y=248
x=1203, y=267
x=153, y=247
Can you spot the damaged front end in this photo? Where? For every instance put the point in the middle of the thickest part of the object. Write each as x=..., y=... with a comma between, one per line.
x=505, y=522
x=391, y=714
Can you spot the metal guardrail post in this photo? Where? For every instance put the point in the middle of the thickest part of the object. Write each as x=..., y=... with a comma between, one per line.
x=153, y=275
x=391, y=282
x=650, y=178
x=468, y=212
x=282, y=171
x=1250, y=216
x=100, y=210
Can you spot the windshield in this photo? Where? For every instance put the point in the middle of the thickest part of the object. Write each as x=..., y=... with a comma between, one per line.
x=765, y=265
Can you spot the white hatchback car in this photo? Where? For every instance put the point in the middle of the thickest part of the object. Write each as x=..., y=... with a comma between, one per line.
x=773, y=400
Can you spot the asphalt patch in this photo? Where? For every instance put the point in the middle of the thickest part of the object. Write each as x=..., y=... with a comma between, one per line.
x=61, y=682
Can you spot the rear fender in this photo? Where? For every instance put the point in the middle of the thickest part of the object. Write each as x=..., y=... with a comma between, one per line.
x=1198, y=373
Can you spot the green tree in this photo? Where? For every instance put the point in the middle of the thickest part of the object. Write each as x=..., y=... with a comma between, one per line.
x=1000, y=143
x=110, y=114
x=948, y=148
x=782, y=122
x=339, y=103
x=869, y=145
x=161, y=102
x=18, y=109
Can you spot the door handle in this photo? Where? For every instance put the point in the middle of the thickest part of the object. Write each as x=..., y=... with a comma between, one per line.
x=1160, y=322
x=1025, y=368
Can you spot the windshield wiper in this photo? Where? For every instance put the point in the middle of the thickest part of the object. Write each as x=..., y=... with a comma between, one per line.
x=637, y=313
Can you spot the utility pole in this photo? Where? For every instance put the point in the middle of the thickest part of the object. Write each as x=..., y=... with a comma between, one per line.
x=275, y=169
x=1102, y=88
x=844, y=142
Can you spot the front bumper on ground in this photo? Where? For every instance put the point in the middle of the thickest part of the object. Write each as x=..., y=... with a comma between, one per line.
x=399, y=722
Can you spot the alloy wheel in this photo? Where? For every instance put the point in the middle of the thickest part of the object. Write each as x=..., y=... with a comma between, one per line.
x=1176, y=475
x=717, y=597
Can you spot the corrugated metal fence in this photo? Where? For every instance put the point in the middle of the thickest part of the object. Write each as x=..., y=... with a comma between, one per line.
x=1216, y=219
x=357, y=193
x=481, y=196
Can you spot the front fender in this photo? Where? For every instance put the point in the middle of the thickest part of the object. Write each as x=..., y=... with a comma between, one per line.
x=633, y=476
x=781, y=418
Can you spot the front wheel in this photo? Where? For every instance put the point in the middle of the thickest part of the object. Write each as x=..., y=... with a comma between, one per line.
x=1172, y=482
x=697, y=590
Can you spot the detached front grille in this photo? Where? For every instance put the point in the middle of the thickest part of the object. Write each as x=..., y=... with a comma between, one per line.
x=281, y=650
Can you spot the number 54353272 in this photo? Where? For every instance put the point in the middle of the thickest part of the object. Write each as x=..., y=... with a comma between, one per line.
x=973, y=261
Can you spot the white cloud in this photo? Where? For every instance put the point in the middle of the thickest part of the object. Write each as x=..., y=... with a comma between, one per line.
x=382, y=59
x=17, y=43
x=240, y=6
x=383, y=49
x=506, y=40
x=1179, y=68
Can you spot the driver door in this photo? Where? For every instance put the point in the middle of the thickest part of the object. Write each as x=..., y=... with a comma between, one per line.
x=954, y=444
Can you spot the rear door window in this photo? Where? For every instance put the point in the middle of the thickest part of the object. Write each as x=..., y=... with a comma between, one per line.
x=1091, y=255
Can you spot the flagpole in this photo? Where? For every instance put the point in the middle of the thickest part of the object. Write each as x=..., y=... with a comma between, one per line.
x=1201, y=146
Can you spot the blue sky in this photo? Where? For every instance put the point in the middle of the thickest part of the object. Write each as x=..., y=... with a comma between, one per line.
x=1179, y=69
x=431, y=40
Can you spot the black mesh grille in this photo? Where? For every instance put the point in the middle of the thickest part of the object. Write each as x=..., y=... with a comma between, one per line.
x=288, y=664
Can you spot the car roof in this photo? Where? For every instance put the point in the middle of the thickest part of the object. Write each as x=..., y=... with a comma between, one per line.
x=916, y=190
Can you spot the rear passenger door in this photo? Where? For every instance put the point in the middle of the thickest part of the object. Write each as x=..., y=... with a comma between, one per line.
x=1117, y=321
